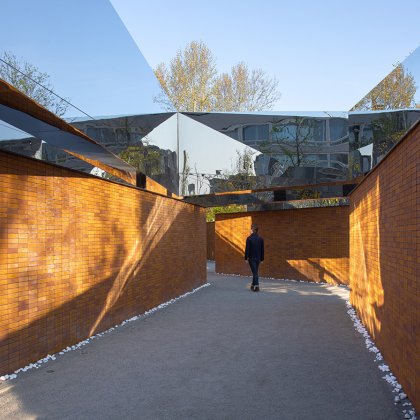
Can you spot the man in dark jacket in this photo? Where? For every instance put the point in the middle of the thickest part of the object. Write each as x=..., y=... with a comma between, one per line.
x=254, y=253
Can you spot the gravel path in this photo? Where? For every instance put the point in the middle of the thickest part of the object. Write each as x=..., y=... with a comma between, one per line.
x=288, y=352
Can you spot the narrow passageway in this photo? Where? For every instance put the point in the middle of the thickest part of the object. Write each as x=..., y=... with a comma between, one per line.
x=288, y=352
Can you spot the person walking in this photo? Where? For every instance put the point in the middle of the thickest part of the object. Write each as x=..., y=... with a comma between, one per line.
x=254, y=254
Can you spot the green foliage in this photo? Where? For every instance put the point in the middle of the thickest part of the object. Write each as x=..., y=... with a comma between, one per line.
x=387, y=131
x=308, y=194
x=144, y=158
x=212, y=211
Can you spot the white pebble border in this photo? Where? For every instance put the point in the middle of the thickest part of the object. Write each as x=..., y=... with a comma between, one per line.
x=83, y=343
x=399, y=396
x=345, y=286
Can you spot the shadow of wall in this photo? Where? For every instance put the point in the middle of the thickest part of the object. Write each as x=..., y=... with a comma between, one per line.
x=210, y=240
x=80, y=254
x=385, y=255
x=302, y=244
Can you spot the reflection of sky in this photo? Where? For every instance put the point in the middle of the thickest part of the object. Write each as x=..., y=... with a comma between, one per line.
x=207, y=149
x=412, y=64
x=84, y=47
x=314, y=114
x=164, y=135
x=9, y=132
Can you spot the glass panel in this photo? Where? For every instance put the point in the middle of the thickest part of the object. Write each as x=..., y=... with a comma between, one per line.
x=288, y=144
x=252, y=133
x=338, y=128
x=110, y=79
x=374, y=133
x=211, y=161
x=147, y=142
x=343, y=158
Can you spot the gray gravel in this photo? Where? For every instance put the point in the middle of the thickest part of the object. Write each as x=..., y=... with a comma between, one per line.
x=288, y=352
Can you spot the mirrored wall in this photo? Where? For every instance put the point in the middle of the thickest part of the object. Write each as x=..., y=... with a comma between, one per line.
x=99, y=82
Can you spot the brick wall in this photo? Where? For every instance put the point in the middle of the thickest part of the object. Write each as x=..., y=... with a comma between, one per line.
x=307, y=244
x=385, y=255
x=210, y=241
x=80, y=254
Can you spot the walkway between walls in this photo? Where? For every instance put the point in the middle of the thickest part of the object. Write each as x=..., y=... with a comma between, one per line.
x=288, y=352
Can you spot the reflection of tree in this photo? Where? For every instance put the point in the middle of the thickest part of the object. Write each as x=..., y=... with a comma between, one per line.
x=354, y=165
x=395, y=91
x=387, y=131
x=144, y=157
x=290, y=140
x=242, y=175
x=185, y=174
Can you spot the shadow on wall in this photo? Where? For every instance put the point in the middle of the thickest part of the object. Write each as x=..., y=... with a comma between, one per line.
x=303, y=244
x=82, y=266
x=385, y=259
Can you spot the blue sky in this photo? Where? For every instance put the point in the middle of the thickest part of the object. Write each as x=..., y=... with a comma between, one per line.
x=325, y=55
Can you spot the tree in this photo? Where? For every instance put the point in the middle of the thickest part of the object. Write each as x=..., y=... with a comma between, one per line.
x=191, y=83
x=29, y=80
x=244, y=90
x=395, y=91
x=188, y=81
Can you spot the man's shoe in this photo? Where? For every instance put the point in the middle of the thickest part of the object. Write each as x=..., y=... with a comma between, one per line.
x=256, y=289
x=252, y=287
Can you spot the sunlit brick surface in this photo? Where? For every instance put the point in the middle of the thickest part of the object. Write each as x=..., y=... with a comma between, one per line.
x=302, y=244
x=385, y=254
x=80, y=254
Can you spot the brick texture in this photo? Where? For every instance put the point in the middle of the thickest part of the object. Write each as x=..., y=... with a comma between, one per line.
x=385, y=255
x=302, y=244
x=210, y=240
x=80, y=254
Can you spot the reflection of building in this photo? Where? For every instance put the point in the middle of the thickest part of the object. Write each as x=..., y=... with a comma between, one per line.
x=286, y=141
x=198, y=153
x=372, y=134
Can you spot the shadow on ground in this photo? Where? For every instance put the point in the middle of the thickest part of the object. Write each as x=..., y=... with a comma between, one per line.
x=287, y=352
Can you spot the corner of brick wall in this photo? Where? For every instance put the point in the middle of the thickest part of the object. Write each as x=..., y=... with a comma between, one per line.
x=302, y=244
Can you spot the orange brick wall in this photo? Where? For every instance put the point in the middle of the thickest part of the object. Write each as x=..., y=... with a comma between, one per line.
x=210, y=241
x=302, y=244
x=385, y=255
x=80, y=254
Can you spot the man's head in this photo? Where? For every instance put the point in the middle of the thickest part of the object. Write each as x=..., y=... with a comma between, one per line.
x=254, y=228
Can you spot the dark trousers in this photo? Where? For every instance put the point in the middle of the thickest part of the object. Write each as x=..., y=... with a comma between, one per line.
x=254, y=268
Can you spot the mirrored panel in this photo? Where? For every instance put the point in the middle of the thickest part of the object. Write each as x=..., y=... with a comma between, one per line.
x=81, y=74
x=280, y=149
x=80, y=50
x=397, y=90
x=146, y=142
x=372, y=135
